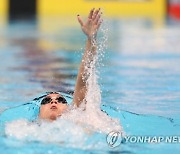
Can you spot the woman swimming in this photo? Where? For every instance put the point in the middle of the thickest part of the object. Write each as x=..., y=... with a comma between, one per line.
x=54, y=104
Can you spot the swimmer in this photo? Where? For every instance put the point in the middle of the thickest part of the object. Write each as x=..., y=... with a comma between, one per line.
x=54, y=104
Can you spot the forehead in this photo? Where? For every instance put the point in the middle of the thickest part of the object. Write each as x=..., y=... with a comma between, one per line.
x=54, y=95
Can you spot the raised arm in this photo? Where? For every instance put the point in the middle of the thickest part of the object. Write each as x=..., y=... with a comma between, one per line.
x=90, y=29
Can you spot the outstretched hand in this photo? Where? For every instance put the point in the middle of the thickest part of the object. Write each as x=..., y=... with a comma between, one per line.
x=91, y=26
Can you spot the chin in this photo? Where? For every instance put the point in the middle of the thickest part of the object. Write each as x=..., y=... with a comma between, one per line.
x=53, y=116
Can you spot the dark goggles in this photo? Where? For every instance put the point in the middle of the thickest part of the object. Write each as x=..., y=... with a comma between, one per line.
x=47, y=100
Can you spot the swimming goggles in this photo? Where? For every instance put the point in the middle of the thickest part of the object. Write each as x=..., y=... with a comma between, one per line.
x=47, y=100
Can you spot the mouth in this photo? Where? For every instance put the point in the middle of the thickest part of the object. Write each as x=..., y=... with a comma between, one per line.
x=53, y=107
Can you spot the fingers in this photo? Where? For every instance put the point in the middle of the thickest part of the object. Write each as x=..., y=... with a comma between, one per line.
x=96, y=20
x=91, y=13
x=95, y=14
x=80, y=20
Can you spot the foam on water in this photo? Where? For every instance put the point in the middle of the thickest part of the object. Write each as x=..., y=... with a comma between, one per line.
x=78, y=124
x=60, y=131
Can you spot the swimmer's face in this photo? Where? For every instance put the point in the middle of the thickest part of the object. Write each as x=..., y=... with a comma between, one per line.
x=52, y=106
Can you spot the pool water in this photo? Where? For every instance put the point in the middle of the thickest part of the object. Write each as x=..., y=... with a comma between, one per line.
x=139, y=78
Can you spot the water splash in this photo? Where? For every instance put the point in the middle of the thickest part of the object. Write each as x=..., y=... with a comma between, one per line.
x=90, y=112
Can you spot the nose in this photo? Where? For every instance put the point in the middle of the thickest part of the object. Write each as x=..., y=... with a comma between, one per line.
x=55, y=102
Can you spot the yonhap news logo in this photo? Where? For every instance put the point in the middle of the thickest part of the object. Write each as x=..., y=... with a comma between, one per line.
x=115, y=138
